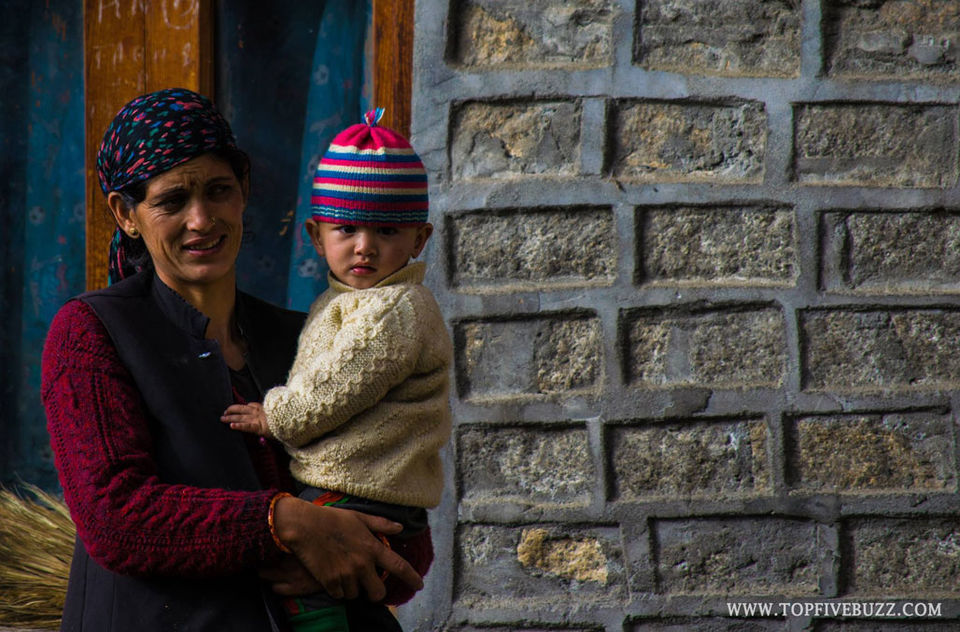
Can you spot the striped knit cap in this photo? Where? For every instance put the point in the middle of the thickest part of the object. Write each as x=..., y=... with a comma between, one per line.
x=370, y=175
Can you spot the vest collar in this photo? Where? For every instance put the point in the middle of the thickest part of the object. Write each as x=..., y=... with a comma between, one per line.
x=178, y=310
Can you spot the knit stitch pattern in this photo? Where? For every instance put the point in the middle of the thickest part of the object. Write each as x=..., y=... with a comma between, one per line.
x=365, y=410
x=370, y=175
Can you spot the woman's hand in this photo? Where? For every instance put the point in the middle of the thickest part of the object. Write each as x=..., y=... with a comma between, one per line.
x=247, y=418
x=289, y=578
x=339, y=549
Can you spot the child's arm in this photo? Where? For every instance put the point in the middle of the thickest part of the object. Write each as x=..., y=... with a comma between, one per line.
x=374, y=350
x=247, y=418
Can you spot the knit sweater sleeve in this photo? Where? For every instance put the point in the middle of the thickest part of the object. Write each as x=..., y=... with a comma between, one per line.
x=343, y=370
x=128, y=519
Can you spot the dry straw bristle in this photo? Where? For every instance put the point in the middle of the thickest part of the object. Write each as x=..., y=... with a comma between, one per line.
x=36, y=545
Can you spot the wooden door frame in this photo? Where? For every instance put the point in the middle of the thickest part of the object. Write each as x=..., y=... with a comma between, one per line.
x=138, y=46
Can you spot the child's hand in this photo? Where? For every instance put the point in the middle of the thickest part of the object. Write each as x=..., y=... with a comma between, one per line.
x=247, y=418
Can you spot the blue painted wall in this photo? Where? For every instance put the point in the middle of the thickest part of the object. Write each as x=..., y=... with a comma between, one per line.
x=41, y=210
x=289, y=77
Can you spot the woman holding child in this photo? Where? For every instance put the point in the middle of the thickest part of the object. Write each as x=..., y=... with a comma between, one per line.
x=182, y=523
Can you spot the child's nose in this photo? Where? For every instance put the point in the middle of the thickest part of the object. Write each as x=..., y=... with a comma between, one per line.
x=364, y=244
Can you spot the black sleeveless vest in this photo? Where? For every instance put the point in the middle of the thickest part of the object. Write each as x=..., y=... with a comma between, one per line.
x=185, y=385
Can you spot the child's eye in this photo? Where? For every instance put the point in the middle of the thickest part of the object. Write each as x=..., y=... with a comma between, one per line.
x=347, y=229
x=387, y=230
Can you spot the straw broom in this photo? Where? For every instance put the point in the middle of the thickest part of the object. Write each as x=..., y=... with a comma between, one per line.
x=36, y=545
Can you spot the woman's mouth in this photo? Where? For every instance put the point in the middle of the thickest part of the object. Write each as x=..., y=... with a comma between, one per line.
x=205, y=246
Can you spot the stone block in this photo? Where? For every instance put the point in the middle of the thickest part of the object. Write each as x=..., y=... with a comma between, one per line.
x=560, y=568
x=492, y=139
x=689, y=460
x=880, y=349
x=730, y=246
x=705, y=624
x=864, y=453
x=521, y=627
x=888, y=252
x=704, y=346
x=532, y=249
x=521, y=34
x=537, y=356
x=902, y=557
x=526, y=465
x=684, y=141
x=737, y=556
x=749, y=38
x=884, y=145
x=907, y=625
x=899, y=40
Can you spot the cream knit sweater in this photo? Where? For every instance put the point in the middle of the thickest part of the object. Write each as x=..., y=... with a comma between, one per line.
x=365, y=410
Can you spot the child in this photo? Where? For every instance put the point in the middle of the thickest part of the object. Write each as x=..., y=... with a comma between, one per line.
x=365, y=410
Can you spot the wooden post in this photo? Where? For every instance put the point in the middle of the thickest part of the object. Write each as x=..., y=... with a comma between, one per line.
x=393, y=61
x=132, y=47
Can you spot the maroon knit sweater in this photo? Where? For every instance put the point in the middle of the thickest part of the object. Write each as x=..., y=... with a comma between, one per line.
x=130, y=521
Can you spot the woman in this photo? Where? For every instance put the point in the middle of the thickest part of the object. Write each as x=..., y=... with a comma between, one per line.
x=181, y=523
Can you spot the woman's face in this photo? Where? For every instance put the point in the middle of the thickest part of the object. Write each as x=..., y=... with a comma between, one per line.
x=191, y=222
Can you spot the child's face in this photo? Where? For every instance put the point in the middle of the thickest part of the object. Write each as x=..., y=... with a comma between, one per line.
x=362, y=256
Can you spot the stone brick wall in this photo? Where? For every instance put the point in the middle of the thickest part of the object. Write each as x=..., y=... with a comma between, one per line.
x=701, y=263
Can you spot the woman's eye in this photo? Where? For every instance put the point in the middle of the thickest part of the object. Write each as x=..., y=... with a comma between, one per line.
x=170, y=204
x=219, y=190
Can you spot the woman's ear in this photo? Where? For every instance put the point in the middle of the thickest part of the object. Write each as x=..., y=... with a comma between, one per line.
x=123, y=214
x=423, y=234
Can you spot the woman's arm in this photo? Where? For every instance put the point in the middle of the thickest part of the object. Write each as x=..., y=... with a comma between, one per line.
x=132, y=523
x=129, y=521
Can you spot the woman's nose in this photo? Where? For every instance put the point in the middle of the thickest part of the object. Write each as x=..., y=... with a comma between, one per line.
x=199, y=216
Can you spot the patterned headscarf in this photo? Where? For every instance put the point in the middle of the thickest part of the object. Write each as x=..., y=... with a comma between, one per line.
x=149, y=136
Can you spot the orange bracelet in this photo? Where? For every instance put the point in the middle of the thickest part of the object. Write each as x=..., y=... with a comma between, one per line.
x=273, y=527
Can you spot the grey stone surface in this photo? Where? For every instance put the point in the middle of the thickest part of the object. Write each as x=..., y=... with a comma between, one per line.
x=501, y=140
x=715, y=347
x=657, y=141
x=894, y=39
x=533, y=249
x=918, y=624
x=706, y=624
x=551, y=355
x=525, y=465
x=722, y=246
x=533, y=34
x=863, y=453
x=878, y=349
x=670, y=461
x=912, y=252
x=877, y=144
x=904, y=558
x=702, y=284
x=758, y=556
x=541, y=565
x=746, y=38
